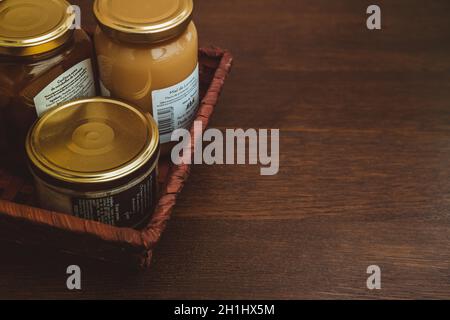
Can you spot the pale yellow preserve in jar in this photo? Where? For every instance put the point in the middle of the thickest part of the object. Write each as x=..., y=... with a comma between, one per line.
x=147, y=52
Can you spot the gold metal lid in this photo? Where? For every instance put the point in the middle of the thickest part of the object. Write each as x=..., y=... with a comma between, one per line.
x=29, y=27
x=143, y=21
x=92, y=141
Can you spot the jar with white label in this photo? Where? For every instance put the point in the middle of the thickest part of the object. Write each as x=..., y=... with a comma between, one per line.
x=147, y=51
x=45, y=60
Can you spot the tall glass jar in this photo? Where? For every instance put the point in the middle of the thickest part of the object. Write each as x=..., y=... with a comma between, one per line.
x=147, y=51
x=44, y=61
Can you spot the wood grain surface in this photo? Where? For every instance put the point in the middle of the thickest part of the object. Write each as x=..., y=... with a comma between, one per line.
x=364, y=176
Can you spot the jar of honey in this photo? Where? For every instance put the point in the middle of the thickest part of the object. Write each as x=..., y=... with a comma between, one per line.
x=147, y=51
x=96, y=159
x=44, y=61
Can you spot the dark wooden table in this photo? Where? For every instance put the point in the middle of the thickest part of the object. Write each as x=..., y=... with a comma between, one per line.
x=364, y=177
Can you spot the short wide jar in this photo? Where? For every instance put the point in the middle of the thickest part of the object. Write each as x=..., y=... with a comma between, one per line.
x=96, y=159
x=45, y=60
x=147, y=52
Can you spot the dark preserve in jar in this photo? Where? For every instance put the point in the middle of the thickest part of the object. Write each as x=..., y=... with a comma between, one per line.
x=45, y=60
x=96, y=159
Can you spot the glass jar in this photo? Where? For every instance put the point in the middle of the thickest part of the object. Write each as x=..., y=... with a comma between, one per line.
x=96, y=159
x=147, y=51
x=44, y=61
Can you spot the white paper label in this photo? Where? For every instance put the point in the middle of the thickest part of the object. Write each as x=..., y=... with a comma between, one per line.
x=77, y=82
x=105, y=92
x=175, y=107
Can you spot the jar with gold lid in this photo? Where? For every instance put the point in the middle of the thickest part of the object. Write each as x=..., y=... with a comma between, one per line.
x=96, y=159
x=44, y=60
x=147, y=51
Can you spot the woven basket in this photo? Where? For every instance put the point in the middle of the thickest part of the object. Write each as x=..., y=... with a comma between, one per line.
x=22, y=223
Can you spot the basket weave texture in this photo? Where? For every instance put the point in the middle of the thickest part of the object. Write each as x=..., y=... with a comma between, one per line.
x=21, y=222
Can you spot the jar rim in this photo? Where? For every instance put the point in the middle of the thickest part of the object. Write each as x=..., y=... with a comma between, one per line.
x=72, y=151
x=143, y=21
x=26, y=31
